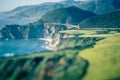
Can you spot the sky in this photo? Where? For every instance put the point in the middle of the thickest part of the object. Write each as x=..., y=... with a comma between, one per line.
x=7, y=5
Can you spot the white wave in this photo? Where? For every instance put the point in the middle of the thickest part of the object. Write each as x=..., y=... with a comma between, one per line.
x=8, y=54
x=46, y=47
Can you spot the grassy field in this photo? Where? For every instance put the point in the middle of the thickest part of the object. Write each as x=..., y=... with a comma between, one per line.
x=58, y=65
x=90, y=31
x=91, y=54
x=104, y=59
x=80, y=32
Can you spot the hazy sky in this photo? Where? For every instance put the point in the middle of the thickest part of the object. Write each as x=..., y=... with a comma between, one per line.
x=6, y=5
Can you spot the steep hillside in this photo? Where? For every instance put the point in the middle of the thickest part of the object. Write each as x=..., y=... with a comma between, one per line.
x=110, y=20
x=33, y=13
x=35, y=30
x=100, y=6
x=104, y=59
x=70, y=15
x=28, y=14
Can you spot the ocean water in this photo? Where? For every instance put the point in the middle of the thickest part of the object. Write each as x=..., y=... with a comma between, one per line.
x=20, y=47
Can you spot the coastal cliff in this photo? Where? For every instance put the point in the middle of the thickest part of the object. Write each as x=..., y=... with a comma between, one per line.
x=42, y=30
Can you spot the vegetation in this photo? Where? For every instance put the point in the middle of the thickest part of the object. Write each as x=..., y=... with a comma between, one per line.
x=88, y=53
x=109, y=20
x=77, y=58
x=41, y=66
x=104, y=59
x=70, y=15
x=101, y=6
x=92, y=32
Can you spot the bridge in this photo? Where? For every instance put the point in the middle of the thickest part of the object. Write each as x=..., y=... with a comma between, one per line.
x=68, y=25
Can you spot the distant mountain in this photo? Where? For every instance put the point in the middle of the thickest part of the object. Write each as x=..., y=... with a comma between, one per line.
x=100, y=6
x=4, y=22
x=70, y=15
x=28, y=14
x=109, y=20
x=33, y=13
x=71, y=2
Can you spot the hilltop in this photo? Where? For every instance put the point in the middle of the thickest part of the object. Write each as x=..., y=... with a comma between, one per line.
x=109, y=20
x=70, y=15
x=100, y=6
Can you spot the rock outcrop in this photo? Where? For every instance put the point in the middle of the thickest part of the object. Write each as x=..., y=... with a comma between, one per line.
x=48, y=26
x=41, y=30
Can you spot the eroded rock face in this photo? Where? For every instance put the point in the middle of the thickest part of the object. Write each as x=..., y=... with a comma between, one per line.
x=43, y=30
x=51, y=30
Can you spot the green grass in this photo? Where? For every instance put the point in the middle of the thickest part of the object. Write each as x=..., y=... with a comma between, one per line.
x=101, y=28
x=101, y=35
x=92, y=32
x=70, y=62
x=104, y=59
x=59, y=65
x=78, y=32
